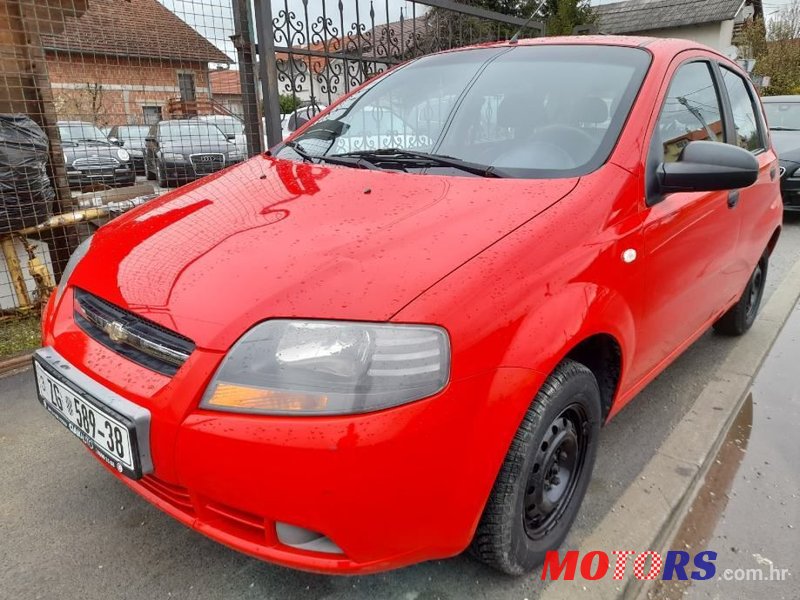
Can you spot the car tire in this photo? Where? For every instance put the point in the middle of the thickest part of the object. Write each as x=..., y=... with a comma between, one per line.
x=544, y=477
x=161, y=175
x=741, y=316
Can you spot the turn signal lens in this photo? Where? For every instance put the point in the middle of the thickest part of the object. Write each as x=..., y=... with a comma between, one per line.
x=249, y=398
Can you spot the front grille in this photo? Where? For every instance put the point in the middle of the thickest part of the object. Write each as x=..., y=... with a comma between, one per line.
x=142, y=341
x=207, y=163
x=95, y=163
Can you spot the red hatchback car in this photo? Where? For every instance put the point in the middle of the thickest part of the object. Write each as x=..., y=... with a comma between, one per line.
x=397, y=336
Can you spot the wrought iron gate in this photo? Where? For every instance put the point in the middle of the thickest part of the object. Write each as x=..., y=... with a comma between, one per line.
x=315, y=55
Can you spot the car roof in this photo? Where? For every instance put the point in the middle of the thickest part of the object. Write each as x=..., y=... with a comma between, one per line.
x=669, y=46
x=768, y=99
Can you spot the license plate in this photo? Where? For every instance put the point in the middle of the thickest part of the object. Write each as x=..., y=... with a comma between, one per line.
x=86, y=417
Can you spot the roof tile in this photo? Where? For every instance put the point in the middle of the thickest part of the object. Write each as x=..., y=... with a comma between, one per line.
x=133, y=28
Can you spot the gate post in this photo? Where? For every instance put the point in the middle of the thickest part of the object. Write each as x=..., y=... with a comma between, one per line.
x=243, y=41
x=268, y=69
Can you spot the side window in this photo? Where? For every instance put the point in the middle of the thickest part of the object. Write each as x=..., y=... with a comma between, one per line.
x=691, y=110
x=748, y=134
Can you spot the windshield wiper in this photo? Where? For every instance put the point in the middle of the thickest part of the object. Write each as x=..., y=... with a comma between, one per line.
x=92, y=141
x=399, y=155
x=334, y=160
x=779, y=128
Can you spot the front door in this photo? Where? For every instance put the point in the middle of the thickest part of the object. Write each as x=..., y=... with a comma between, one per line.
x=186, y=87
x=690, y=237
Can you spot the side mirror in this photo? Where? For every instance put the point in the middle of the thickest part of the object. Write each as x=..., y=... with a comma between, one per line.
x=708, y=166
x=116, y=141
x=231, y=137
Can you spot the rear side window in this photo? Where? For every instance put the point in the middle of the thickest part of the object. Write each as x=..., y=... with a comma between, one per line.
x=691, y=110
x=748, y=132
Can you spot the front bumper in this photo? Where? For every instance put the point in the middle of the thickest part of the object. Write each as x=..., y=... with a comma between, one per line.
x=388, y=488
x=119, y=177
x=790, y=192
x=187, y=171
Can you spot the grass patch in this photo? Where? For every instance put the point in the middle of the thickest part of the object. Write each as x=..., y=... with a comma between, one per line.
x=19, y=335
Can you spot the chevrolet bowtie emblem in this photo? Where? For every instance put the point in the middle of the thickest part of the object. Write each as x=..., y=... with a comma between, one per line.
x=116, y=331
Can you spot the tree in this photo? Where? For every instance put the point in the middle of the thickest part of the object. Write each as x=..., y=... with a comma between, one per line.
x=775, y=46
x=559, y=16
x=87, y=103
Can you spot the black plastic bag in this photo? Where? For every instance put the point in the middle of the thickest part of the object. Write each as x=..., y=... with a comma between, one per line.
x=26, y=195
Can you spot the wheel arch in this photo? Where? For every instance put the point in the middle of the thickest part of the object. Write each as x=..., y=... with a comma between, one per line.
x=773, y=241
x=597, y=330
x=601, y=353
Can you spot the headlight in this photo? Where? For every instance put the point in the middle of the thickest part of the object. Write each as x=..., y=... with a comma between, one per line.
x=294, y=367
x=235, y=155
x=173, y=157
x=73, y=261
x=123, y=154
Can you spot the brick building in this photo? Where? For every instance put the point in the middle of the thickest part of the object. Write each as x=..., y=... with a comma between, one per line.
x=128, y=61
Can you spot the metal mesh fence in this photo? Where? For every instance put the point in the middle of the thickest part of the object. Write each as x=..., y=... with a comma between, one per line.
x=106, y=104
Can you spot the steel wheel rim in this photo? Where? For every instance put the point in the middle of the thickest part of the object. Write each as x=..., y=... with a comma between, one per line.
x=557, y=468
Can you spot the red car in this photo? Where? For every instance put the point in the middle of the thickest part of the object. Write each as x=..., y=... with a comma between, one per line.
x=398, y=335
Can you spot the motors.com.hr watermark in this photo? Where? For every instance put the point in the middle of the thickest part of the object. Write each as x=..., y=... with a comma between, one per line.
x=674, y=565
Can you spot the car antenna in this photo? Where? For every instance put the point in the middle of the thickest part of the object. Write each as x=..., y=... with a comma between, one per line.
x=515, y=38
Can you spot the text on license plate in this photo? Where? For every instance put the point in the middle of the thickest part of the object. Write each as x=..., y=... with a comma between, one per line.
x=103, y=431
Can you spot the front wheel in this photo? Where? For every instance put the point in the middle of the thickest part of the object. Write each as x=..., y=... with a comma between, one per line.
x=740, y=316
x=542, y=482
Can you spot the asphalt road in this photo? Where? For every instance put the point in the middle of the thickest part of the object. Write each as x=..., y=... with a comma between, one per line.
x=69, y=530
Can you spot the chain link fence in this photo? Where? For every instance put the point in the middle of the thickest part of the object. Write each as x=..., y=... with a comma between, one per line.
x=106, y=104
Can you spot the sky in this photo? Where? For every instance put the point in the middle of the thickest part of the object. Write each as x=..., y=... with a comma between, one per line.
x=214, y=20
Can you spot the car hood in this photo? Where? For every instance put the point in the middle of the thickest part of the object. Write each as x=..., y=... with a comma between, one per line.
x=785, y=141
x=89, y=151
x=274, y=238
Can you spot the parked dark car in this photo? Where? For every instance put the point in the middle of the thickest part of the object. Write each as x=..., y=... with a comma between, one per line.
x=90, y=159
x=182, y=150
x=783, y=117
x=131, y=137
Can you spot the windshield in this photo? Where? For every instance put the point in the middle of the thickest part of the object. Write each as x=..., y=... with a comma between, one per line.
x=80, y=132
x=230, y=126
x=532, y=111
x=783, y=115
x=133, y=135
x=176, y=131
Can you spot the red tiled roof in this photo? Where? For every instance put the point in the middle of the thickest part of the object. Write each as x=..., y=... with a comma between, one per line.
x=225, y=82
x=135, y=28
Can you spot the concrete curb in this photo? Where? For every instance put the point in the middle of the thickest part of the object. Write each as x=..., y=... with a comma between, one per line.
x=649, y=512
x=15, y=362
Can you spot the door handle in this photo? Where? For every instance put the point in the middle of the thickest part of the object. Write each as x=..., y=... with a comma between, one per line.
x=733, y=198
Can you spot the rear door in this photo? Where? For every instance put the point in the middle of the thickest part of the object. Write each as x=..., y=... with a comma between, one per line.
x=757, y=203
x=690, y=237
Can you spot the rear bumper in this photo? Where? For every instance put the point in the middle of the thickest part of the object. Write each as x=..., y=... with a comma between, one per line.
x=387, y=489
